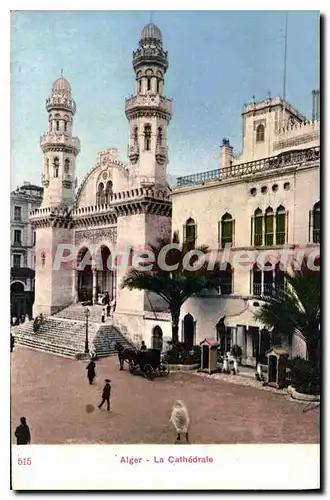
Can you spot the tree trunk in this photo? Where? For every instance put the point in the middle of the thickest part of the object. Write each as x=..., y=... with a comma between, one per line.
x=175, y=314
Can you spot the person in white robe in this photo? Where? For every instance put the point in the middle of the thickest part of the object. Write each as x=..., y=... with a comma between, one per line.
x=180, y=419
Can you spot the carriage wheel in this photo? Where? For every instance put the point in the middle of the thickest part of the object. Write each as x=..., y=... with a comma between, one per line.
x=164, y=369
x=131, y=367
x=149, y=372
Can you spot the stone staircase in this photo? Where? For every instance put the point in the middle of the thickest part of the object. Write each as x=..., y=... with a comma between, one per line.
x=66, y=337
x=76, y=312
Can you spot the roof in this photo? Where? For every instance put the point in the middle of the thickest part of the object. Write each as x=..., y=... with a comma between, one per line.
x=277, y=350
x=210, y=342
x=151, y=31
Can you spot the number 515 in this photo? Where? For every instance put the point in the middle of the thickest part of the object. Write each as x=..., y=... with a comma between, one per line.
x=24, y=461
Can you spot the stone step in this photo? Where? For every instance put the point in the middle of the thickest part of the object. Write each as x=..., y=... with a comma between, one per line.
x=65, y=337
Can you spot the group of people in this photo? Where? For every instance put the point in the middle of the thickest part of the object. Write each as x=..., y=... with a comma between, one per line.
x=110, y=307
x=106, y=393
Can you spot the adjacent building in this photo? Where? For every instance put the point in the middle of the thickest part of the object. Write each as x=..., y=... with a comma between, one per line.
x=22, y=249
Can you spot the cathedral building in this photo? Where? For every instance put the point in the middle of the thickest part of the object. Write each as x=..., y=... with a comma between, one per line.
x=262, y=199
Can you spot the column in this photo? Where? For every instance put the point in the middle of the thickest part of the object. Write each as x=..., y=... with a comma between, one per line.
x=240, y=338
x=94, y=286
x=75, y=286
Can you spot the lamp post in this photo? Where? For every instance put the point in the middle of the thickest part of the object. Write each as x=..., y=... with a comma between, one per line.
x=87, y=313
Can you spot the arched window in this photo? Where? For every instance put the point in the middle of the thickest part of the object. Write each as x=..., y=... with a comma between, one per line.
x=65, y=126
x=315, y=223
x=258, y=228
x=226, y=230
x=157, y=338
x=140, y=85
x=280, y=225
x=158, y=85
x=43, y=259
x=148, y=83
x=100, y=195
x=108, y=191
x=269, y=227
x=159, y=136
x=260, y=133
x=57, y=125
x=67, y=166
x=147, y=137
x=190, y=232
x=226, y=280
x=56, y=164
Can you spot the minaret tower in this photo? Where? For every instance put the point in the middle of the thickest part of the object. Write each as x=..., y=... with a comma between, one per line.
x=59, y=148
x=149, y=112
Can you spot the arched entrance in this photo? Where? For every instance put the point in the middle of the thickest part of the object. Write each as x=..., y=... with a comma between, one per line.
x=106, y=277
x=17, y=299
x=85, y=275
x=157, y=338
x=188, y=330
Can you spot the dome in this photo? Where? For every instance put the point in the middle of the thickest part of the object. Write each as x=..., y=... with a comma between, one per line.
x=62, y=84
x=151, y=31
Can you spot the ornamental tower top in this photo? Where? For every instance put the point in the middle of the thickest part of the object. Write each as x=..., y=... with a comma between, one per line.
x=59, y=147
x=149, y=112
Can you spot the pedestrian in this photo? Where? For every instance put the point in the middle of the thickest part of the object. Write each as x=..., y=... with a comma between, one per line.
x=12, y=342
x=103, y=315
x=22, y=432
x=108, y=310
x=92, y=352
x=143, y=346
x=180, y=419
x=91, y=371
x=106, y=394
x=106, y=299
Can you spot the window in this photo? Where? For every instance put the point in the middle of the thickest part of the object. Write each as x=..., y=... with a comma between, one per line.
x=223, y=337
x=65, y=126
x=67, y=166
x=158, y=86
x=286, y=186
x=268, y=281
x=264, y=189
x=260, y=133
x=18, y=213
x=147, y=137
x=253, y=191
x=189, y=232
x=315, y=224
x=16, y=260
x=280, y=226
x=135, y=134
x=56, y=164
x=57, y=125
x=140, y=85
x=47, y=166
x=100, y=195
x=159, y=136
x=226, y=280
x=17, y=237
x=34, y=238
x=269, y=227
x=108, y=191
x=226, y=230
x=275, y=187
x=43, y=259
x=258, y=228
x=148, y=83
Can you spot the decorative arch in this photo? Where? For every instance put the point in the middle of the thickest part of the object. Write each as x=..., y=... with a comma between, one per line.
x=105, y=276
x=257, y=225
x=66, y=165
x=260, y=133
x=17, y=287
x=189, y=330
x=281, y=225
x=147, y=137
x=226, y=230
x=269, y=226
x=108, y=191
x=17, y=299
x=56, y=166
x=85, y=275
x=100, y=195
x=190, y=232
x=157, y=338
x=315, y=223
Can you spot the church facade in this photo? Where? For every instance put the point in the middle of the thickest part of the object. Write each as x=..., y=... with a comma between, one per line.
x=264, y=199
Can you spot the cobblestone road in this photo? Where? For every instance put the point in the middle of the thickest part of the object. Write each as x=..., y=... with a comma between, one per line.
x=52, y=393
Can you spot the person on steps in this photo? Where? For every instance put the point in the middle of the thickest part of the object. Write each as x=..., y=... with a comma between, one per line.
x=22, y=432
x=103, y=315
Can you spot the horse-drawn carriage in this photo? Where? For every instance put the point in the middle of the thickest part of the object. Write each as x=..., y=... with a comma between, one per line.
x=147, y=362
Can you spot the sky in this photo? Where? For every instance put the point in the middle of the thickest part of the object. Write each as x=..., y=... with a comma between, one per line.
x=217, y=61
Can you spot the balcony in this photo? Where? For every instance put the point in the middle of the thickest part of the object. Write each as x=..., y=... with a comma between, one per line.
x=148, y=101
x=269, y=239
x=268, y=289
x=53, y=139
x=283, y=160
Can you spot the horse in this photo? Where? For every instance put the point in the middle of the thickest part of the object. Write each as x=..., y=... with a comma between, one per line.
x=124, y=354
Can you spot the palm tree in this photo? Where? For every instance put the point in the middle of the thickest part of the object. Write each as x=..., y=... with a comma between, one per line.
x=297, y=310
x=177, y=285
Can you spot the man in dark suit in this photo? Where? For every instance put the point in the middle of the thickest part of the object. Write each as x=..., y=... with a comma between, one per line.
x=22, y=432
x=106, y=394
